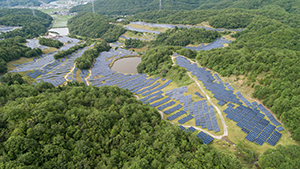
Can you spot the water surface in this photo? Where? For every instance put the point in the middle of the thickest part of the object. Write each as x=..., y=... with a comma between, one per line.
x=127, y=65
x=61, y=31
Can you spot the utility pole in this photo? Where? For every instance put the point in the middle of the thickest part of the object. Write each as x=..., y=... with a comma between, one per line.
x=8, y=6
x=159, y=4
x=33, y=12
x=93, y=6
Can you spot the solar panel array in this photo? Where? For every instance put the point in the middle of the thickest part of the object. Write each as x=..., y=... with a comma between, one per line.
x=34, y=74
x=239, y=94
x=157, y=89
x=252, y=122
x=177, y=94
x=171, y=26
x=228, y=86
x=199, y=95
x=280, y=128
x=206, y=139
x=185, y=119
x=213, y=119
x=218, y=43
x=219, y=90
x=265, y=134
x=166, y=105
x=181, y=127
x=274, y=138
x=269, y=115
x=173, y=109
x=192, y=129
x=161, y=102
x=176, y=115
x=218, y=78
x=152, y=95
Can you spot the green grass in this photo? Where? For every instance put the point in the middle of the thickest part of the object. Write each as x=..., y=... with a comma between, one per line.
x=48, y=11
x=10, y=65
x=48, y=50
x=61, y=21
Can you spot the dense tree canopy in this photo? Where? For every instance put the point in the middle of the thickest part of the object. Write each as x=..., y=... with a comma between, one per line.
x=94, y=26
x=183, y=36
x=134, y=43
x=283, y=157
x=11, y=3
x=12, y=78
x=50, y=42
x=128, y=7
x=87, y=59
x=65, y=53
x=32, y=26
x=13, y=49
x=75, y=126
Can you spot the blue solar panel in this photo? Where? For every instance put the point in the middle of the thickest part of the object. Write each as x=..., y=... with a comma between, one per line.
x=171, y=110
x=280, y=128
x=181, y=127
x=176, y=115
x=166, y=105
x=192, y=129
x=185, y=119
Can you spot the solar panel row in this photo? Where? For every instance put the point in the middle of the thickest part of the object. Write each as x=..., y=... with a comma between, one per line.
x=161, y=102
x=176, y=115
x=269, y=115
x=173, y=109
x=166, y=105
x=185, y=119
x=205, y=138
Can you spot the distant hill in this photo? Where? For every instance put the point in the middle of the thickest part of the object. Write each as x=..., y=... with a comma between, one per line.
x=94, y=26
x=128, y=7
x=12, y=3
x=291, y=6
x=32, y=26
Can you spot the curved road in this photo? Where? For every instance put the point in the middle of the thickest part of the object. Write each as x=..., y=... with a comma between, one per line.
x=218, y=110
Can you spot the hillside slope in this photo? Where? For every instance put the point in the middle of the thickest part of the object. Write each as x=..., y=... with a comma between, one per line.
x=94, y=26
x=128, y=7
x=32, y=26
x=87, y=127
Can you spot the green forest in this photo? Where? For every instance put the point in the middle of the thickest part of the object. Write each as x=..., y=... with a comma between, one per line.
x=77, y=125
x=268, y=46
x=32, y=26
x=95, y=26
x=13, y=49
x=134, y=43
x=87, y=59
x=183, y=37
x=65, y=53
x=50, y=42
x=129, y=7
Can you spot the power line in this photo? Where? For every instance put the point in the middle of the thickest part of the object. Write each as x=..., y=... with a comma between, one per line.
x=93, y=6
x=33, y=12
x=159, y=4
x=8, y=4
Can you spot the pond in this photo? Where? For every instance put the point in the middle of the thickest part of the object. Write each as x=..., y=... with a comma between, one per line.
x=127, y=65
x=61, y=31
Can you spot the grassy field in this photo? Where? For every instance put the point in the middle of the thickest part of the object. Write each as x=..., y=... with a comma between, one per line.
x=235, y=134
x=10, y=65
x=45, y=51
x=60, y=21
x=148, y=27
